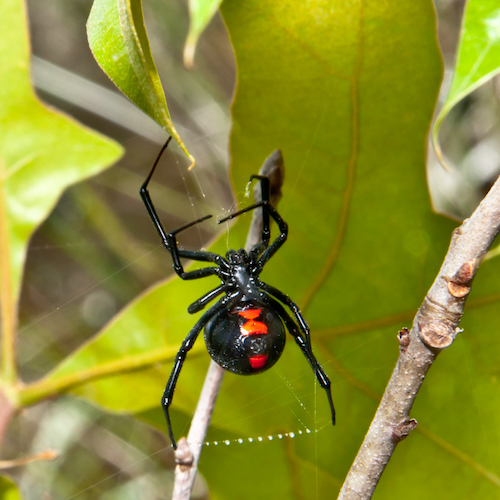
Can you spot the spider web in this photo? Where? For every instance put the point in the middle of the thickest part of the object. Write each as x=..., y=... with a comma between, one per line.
x=50, y=306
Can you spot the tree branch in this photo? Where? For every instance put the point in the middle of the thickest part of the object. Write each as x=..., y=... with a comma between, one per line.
x=188, y=451
x=435, y=327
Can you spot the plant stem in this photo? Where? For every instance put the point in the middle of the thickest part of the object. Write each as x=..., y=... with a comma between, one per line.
x=47, y=387
x=8, y=316
x=435, y=327
x=37, y=457
x=188, y=451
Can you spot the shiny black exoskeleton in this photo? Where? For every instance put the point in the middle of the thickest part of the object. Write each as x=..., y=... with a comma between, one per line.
x=244, y=330
x=247, y=339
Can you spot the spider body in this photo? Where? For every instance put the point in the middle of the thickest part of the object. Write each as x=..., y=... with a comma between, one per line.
x=245, y=329
x=247, y=339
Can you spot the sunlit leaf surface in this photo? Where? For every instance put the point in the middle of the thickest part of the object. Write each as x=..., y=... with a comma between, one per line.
x=118, y=40
x=347, y=91
x=8, y=489
x=41, y=153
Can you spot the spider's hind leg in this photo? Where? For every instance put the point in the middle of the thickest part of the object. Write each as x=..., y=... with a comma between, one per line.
x=305, y=347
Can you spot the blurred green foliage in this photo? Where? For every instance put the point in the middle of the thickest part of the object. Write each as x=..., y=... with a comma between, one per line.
x=347, y=92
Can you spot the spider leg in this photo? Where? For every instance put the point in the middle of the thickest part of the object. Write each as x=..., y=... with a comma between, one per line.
x=146, y=198
x=186, y=346
x=277, y=243
x=304, y=327
x=202, y=256
x=265, y=193
x=200, y=304
x=305, y=347
x=169, y=239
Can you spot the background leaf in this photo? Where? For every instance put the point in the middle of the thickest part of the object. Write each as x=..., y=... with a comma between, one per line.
x=364, y=245
x=200, y=14
x=118, y=40
x=347, y=92
x=8, y=489
x=42, y=153
x=478, y=56
x=38, y=146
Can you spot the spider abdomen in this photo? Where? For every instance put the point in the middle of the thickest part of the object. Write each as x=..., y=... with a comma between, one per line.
x=247, y=339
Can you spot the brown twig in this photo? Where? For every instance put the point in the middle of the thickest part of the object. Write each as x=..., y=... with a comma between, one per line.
x=188, y=451
x=434, y=328
x=37, y=457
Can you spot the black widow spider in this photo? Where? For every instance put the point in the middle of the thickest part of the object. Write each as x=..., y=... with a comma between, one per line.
x=244, y=330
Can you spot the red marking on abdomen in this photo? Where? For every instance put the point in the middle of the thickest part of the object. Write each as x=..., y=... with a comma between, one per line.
x=252, y=327
x=250, y=313
x=258, y=361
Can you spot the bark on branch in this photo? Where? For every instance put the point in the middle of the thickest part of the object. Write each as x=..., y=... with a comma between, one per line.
x=434, y=328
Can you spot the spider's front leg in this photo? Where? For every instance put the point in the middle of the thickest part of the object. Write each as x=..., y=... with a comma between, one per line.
x=276, y=244
x=203, y=256
x=169, y=240
x=265, y=194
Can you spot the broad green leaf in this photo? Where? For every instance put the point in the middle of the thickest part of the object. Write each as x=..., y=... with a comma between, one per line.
x=8, y=489
x=118, y=40
x=41, y=153
x=201, y=13
x=347, y=91
x=478, y=56
x=139, y=337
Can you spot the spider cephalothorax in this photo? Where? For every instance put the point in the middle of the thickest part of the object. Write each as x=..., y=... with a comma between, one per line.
x=244, y=329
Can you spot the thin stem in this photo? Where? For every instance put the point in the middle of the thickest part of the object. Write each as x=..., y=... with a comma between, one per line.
x=47, y=387
x=435, y=327
x=43, y=456
x=8, y=316
x=188, y=451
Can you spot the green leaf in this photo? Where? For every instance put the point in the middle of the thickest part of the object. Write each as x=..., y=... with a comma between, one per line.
x=118, y=40
x=8, y=489
x=201, y=13
x=41, y=153
x=478, y=57
x=347, y=91
x=140, y=337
